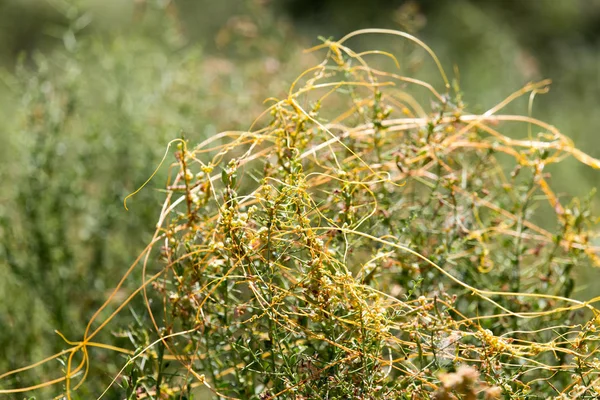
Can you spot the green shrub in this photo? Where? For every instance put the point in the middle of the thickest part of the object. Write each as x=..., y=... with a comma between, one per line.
x=362, y=245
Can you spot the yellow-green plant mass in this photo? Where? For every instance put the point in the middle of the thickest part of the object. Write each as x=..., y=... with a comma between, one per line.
x=359, y=242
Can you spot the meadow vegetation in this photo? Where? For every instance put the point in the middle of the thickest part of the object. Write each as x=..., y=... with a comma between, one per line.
x=369, y=236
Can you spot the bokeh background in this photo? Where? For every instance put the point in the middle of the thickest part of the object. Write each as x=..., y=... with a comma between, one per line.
x=92, y=91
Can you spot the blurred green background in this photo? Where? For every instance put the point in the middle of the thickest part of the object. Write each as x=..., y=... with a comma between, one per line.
x=92, y=91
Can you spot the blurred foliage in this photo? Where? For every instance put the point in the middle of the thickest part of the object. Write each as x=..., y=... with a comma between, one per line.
x=84, y=125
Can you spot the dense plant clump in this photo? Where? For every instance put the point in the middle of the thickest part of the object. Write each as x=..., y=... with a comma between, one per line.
x=361, y=242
